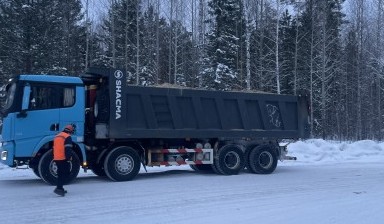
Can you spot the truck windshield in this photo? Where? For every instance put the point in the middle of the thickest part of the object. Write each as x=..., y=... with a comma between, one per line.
x=10, y=96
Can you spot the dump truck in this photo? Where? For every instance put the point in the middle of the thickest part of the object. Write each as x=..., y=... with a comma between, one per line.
x=121, y=128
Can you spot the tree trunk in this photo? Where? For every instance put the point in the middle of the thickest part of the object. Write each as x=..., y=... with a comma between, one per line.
x=380, y=67
x=157, y=43
x=87, y=34
x=311, y=69
x=360, y=13
x=277, y=72
x=113, y=34
x=137, y=44
x=201, y=44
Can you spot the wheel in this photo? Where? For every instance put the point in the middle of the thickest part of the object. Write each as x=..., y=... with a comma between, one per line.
x=36, y=171
x=202, y=167
x=98, y=169
x=246, y=156
x=48, y=170
x=122, y=164
x=230, y=160
x=215, y=169
x=263, y=159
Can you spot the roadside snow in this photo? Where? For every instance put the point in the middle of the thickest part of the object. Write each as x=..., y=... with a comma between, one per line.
x=321, y=151
x=331, y=182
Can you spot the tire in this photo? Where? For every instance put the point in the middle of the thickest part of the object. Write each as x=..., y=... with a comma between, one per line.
x=122, y=164
x=34, y=168
x=202, y=167
x=263, y=159
x=230, y=160
x=48, y=170
x=36, y=171
x=246, y=156
x=98, y=169
x=215, y=169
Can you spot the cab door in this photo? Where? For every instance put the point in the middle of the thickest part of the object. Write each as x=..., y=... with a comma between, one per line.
x=39, y=117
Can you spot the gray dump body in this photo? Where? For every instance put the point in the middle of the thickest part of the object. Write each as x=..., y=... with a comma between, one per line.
x=159, y=112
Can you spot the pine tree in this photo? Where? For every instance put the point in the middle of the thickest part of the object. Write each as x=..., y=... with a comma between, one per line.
x=320, y=60
x=263, y=49
x=150, y=64
x=119, y=35
x=224, y=53
x=331, y=65
x=287, y=53
x=42, y=37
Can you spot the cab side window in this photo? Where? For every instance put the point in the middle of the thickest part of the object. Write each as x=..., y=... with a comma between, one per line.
x=50, y=97
x=68, y=97
x=42, y=98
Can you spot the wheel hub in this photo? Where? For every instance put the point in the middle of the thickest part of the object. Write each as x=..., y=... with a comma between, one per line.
x=124, y=164
x=232, y=160
x=265, y=160
x=53, y=168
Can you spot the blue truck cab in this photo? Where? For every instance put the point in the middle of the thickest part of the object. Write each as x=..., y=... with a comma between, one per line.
x=37, y=107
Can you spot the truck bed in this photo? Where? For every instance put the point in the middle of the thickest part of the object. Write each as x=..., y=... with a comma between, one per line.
x=160, y=112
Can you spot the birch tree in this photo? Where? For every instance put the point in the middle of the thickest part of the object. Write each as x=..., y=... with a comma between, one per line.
x=201, y=41
x=250, y=9
x=330, y=61
x=378, y=67
x=298, y=5
x=277, y=40
x=360, y=33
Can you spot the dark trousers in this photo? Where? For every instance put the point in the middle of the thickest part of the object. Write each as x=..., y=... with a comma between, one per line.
x=62, y=172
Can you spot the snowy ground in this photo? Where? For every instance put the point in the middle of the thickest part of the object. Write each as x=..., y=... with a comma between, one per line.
x=331, y=182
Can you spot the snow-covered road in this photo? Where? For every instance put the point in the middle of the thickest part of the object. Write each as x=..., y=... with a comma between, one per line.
x=295, y=193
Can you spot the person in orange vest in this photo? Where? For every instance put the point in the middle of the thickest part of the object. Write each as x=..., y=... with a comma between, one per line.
x=62, y=150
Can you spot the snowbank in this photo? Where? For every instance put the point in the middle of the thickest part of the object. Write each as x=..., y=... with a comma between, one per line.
x=321, y=151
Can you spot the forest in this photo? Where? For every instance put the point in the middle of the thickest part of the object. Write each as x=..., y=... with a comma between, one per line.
x=331, y=49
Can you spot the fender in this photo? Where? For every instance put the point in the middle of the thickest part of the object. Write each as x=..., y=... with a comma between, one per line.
x=82, y=149
x=102, y=154
x=42, y=142
x=48, y=139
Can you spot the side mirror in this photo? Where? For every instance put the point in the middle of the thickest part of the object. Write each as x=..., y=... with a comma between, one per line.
x=25, y=102
x=26, y=95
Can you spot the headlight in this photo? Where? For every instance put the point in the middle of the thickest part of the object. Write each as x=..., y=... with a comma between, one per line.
x=4, y=155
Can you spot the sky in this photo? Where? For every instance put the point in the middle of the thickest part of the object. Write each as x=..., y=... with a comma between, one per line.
x=331, y=183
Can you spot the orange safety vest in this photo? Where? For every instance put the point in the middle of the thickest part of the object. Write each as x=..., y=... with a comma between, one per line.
x=59, y=147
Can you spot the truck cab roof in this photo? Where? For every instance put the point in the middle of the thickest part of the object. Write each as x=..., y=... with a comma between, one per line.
x=51, y=79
